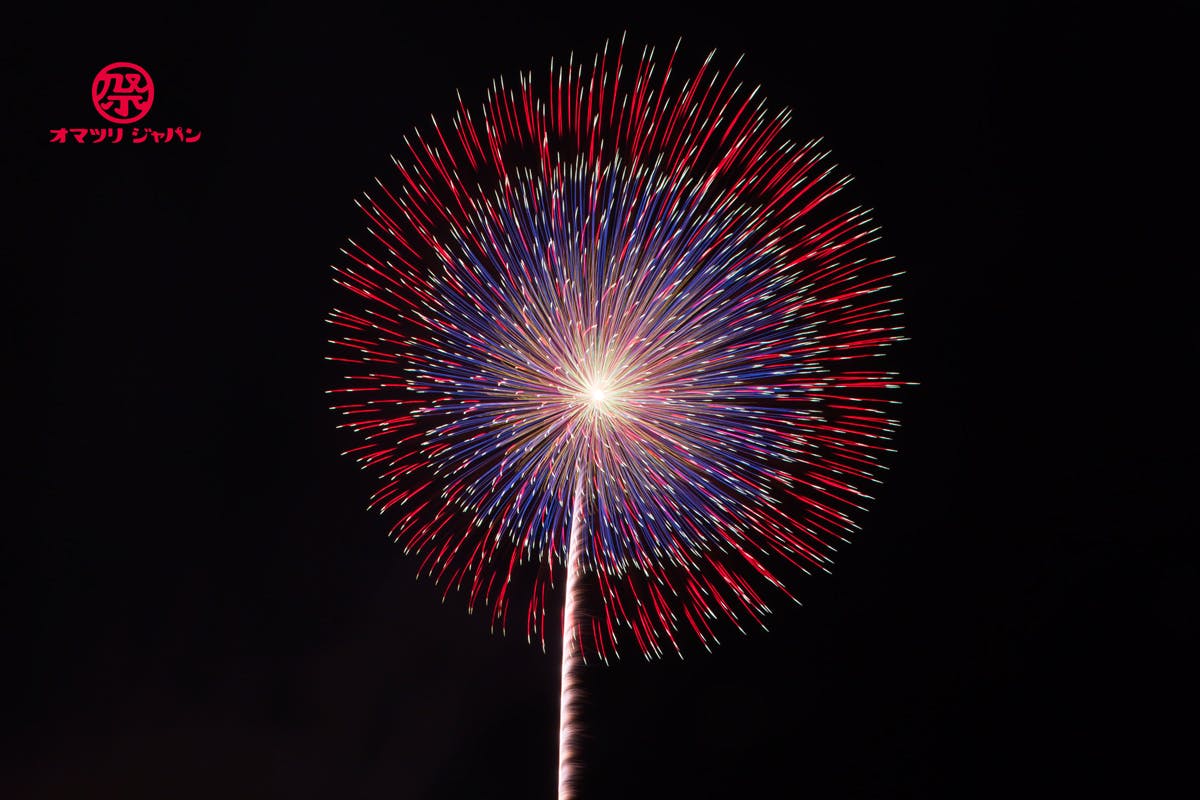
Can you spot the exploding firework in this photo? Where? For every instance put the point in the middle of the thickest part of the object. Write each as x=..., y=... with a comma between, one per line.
x=616, y=321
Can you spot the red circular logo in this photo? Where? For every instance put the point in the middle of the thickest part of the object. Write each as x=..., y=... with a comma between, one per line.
x=122, y=92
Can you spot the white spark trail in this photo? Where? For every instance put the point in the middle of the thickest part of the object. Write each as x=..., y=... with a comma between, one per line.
x=572, y=663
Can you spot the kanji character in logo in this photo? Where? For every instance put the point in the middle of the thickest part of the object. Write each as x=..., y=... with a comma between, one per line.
x=122, y=92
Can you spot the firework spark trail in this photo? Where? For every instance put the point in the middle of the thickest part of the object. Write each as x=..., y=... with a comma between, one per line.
x=572, y=661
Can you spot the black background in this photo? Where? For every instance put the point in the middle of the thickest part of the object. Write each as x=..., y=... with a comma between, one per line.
x=200, y=606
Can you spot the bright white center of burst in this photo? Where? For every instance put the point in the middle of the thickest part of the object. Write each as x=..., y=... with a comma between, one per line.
x=596, y=393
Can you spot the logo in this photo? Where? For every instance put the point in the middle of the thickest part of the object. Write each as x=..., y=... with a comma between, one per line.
x=122, y=92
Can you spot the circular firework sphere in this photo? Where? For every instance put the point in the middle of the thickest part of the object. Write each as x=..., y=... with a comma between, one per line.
x=626, y=295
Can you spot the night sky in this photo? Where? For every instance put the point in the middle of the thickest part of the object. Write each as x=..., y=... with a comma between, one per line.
x=198, y=604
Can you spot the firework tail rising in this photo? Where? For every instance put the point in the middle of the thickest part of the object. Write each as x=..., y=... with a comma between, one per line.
x=572, y=662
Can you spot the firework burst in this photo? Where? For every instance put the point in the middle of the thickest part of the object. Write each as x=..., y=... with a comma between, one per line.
x=619, y=308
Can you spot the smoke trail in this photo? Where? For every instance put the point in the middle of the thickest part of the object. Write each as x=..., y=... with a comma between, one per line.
x=571, y=661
